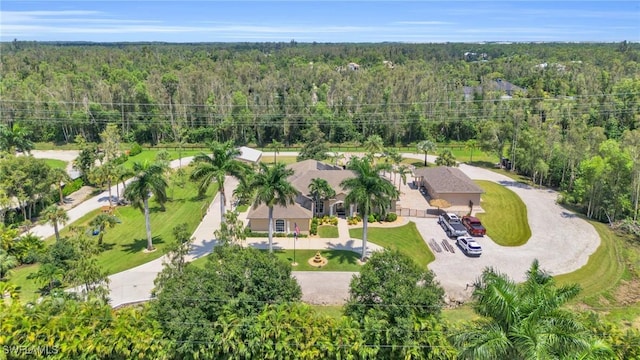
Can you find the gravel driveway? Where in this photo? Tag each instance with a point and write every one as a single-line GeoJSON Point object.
{"type": "Point", "coordinates": [561, 241]}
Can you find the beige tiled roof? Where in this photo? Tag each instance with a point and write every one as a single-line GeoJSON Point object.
{"type": "Point", "coordinates": [444, 179]}
{"type": "Point", "coordinates": [294, 211]}
{"type": "Point", "coordinates": [307, 170]}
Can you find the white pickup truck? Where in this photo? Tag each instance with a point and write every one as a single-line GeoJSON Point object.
{"type": "Point", "coordinates": [452, 225]}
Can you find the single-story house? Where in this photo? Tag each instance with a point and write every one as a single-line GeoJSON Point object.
{"type": "Point", "coordinates": [249, 155]}
{"type": "Point", "coordinates": [285, 219]}
{"type": "Point", "coordinates": [301, 212]}
{"type": "Point", "coordinates": [450, 184]}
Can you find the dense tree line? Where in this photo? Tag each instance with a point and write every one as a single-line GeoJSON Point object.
{"type": "Point", "coordinates": [573, 98]}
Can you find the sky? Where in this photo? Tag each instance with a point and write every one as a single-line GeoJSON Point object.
{"type": "Point", "coordinates": [320, 21]}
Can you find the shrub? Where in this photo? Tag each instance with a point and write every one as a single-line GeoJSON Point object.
{"type": "Point", "coordinates": [371, 218]}
{"type": "Point", "coordinates": [135, 149]}
{"type": "Point", "coordinates": [121, 159]}
{"type": "Point", "coordinates": [391, 217]}
{"type": "Point", "coordinates": [72, 187]}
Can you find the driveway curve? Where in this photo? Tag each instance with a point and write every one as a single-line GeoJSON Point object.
{"type": "Point", "coordinates": [561, 241]}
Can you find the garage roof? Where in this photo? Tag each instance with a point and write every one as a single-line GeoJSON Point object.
{"type": "Point", "coordinates": [444, 179]}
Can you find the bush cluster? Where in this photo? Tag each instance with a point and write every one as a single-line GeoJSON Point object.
{"type": "Point", "coordinates": [314, 227]}
{"type": "Point", "coordinates": [328, 220]}
{"type": "Point", "coordinates": [266, 234]}
{"type": "Point", "coordinates": [391, 217]}
{"type": "Point", "coordinates": [72, 187]}
{"type": "Point", "coordinates": [354, 220]}
{"type": "Point", "coordinates": [135, 149]}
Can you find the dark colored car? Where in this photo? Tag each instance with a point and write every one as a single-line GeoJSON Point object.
{"type": "Point", "coordinates": [474, 226]}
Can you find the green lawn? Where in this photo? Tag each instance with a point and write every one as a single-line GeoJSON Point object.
{"type": "Point", "coordinates": [279, 158]}
{"type": "Point", "coordinates": [327, 231]}
{"type": "Point", "coordinates": [150, 155]}
{"type": "Point", "coordinates": [502, 206]}
{"type": "Point", "coordinates": [405, 238]}
{"type": "Point", "coordinates": [332, 311]}
{"type": "Point", "coordinates": [339, 260]}
{"type": "Point", "coordinates": [603, 271]}
{"type": "Point", "coordinates": [55, 163]}
{"type": "Point", "coordinates": [124, 244]}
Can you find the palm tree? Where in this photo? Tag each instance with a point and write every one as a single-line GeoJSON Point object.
{"type": "Point", "coordinates": [403, 170]}
{"type": "Point", "coordinates": [471, 145]}
{"type": "Point", "coordinates": [122, 174]}
{"type": "Point", "coordinates": [273, 188]}
{"type": "Point", "coordinates": [426, 146]}
{"type": "Point", "coordinates": [374, 144]}
{"type": "Point", "coordinates": [320, 189]}
{"type": "Point", "coordinates": [149, 179]}
{"type": "Point", "coordinates": [58, 177]}
{"type": "Point", "coordinates": [446, 158]}
{"type": "Point", "coordinates": [221, 163]}
{"type": "Point", "coordinates": [276, 146]}
{"type": "Point", "coordinates": [55, 215]}
{"type": "Point", "coordinates": [368, 191]}
{"type": "Point", "coordinates": [14, 138]}
{"type": "Point", "coordinates": [525, 321]}
{"type": "Point", "coordinates": [102, 221]}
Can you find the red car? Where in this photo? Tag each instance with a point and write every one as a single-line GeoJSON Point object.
{"type": "Point", "coordinates": [474, 226]}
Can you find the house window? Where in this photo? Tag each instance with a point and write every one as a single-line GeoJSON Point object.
{"type": "Point", "coordinates": [320, 206]}
{"type": "Point", "coordinates": [280, 225]}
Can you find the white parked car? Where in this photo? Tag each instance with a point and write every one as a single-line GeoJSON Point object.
{"type": "Point", "coordinates": [469, 245]}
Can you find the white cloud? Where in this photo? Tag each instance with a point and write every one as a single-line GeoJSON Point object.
{"type": "Point", "coordinates": [423, 23]}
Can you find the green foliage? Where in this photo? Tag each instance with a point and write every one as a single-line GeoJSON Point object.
{"type": "Point", "coordinates": [28, 248]}
{"type": "Point", "coordinates": [392, 294]}
{"type": "Point", "coordinates": [135, 149]}
{"type": "Point", "coordinates": [391, 217]}
{"type": "Point", "coordinates": [526, 320]}
{"type": "Point", "coordinates": [235, 280]}
{"type": "Point", "coordinates": [72, 187]}
{"type": "Point", "coordinates": [371, 218]}
{"type": "Point", "coordinates": [503, 206]}
{"type": "Point", "coordinates": [313, 230]}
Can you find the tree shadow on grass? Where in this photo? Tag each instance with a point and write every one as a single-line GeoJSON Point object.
{"type": "Point", "coordinates": [482, 164]}
{"type": "Point", "coordinates": [106, 246]}
{"type": "Point", "coordinates": [140, 244]}
{"type": "Point", "coordinates": [341, 256]}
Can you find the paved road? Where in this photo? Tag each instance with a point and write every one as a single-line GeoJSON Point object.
{"type": "Point", "coordinates": [561, 241]}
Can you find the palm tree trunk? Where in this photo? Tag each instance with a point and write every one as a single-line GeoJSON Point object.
{"type": "Point", "coordinates": [60, 192]}
{"type": "Point", "coordinates": [365, 223]}
{"type": "Point", "coordinates": [110, 200]}
{"type": "Point", "coordinates": [222, 201]}
{"type": "Point", "coordinates": [270, 229]}
{"type": "Point", "coordinates": [425, 158]}
{"type": "Point", "coordinates": [55, 230]}
{"type": "Point", "coordinates": [101, 235]}
{"type": "Point", "coordinates": [147, 221]}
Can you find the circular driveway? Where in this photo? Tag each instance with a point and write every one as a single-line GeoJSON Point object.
{"type": "Point", "coordinates": [561, 241]}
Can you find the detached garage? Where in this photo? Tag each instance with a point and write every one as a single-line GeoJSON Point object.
{"type": "Point", "coordinates": [450, 184]}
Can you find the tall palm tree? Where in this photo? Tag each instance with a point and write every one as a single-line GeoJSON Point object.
{"type": "Point", "coordinates": [58, 177]}
{"type": "Point", "coordinates": [149, 179]}
{"type": "Point", "coordinates": [525, 321]}
{"type": "Point", "coordinates": [273, 188]}
{"type": "Point", "coordinates": [222, 162]}
{"type": "Point", "coordinates": [471, 145]}
{"type": "Point", "coordinates": [374, 144]}
{"type": "Point", "coordinates": [14, 138]}
{"type": "Point", "coordinates": [102, 221]}
{"type": "Point", "coordinates": [320, 189]}
{"type": "Point", "coordinates": [403, 170]}
{"type": "Point", "coordinates": [425, 146]}
{"type": "Point", "coordinates": [54, 215]}
{"type": "Point", "coordinates": [275, 146]}
{"type": "Point", "coordinates": [368, 191]}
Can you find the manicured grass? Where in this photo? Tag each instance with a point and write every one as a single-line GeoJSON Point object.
{"type": "Point", "coordinates": [150, 155]}
{"type": "Point", "coordinates": [124, 243]}
{"type": "Point", "coordinates": [55, 163]}
{"type": "Point", "coordinates": [53, 146]}
{"type": "Point", "coordinates": [502, 206]}
{"type": "Point", "coordinates": [405, 239]}
{"type": "Point", "coordinates": [339, 260]}
{"type": "Point", "coordinates": [27, 287]}
{"type": "Point", "coordinates": [460, 314]}
{"type": "Point", "coordinates": [327, 231]}
{"type": "Point", "coordinates": [603, 271]}
{"type": "Point", "coordinates": [279, 158]}
{"type": "Point", "coordinates": [332, 311]}
{"type": "Point", "coordinates": [242, 208]}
